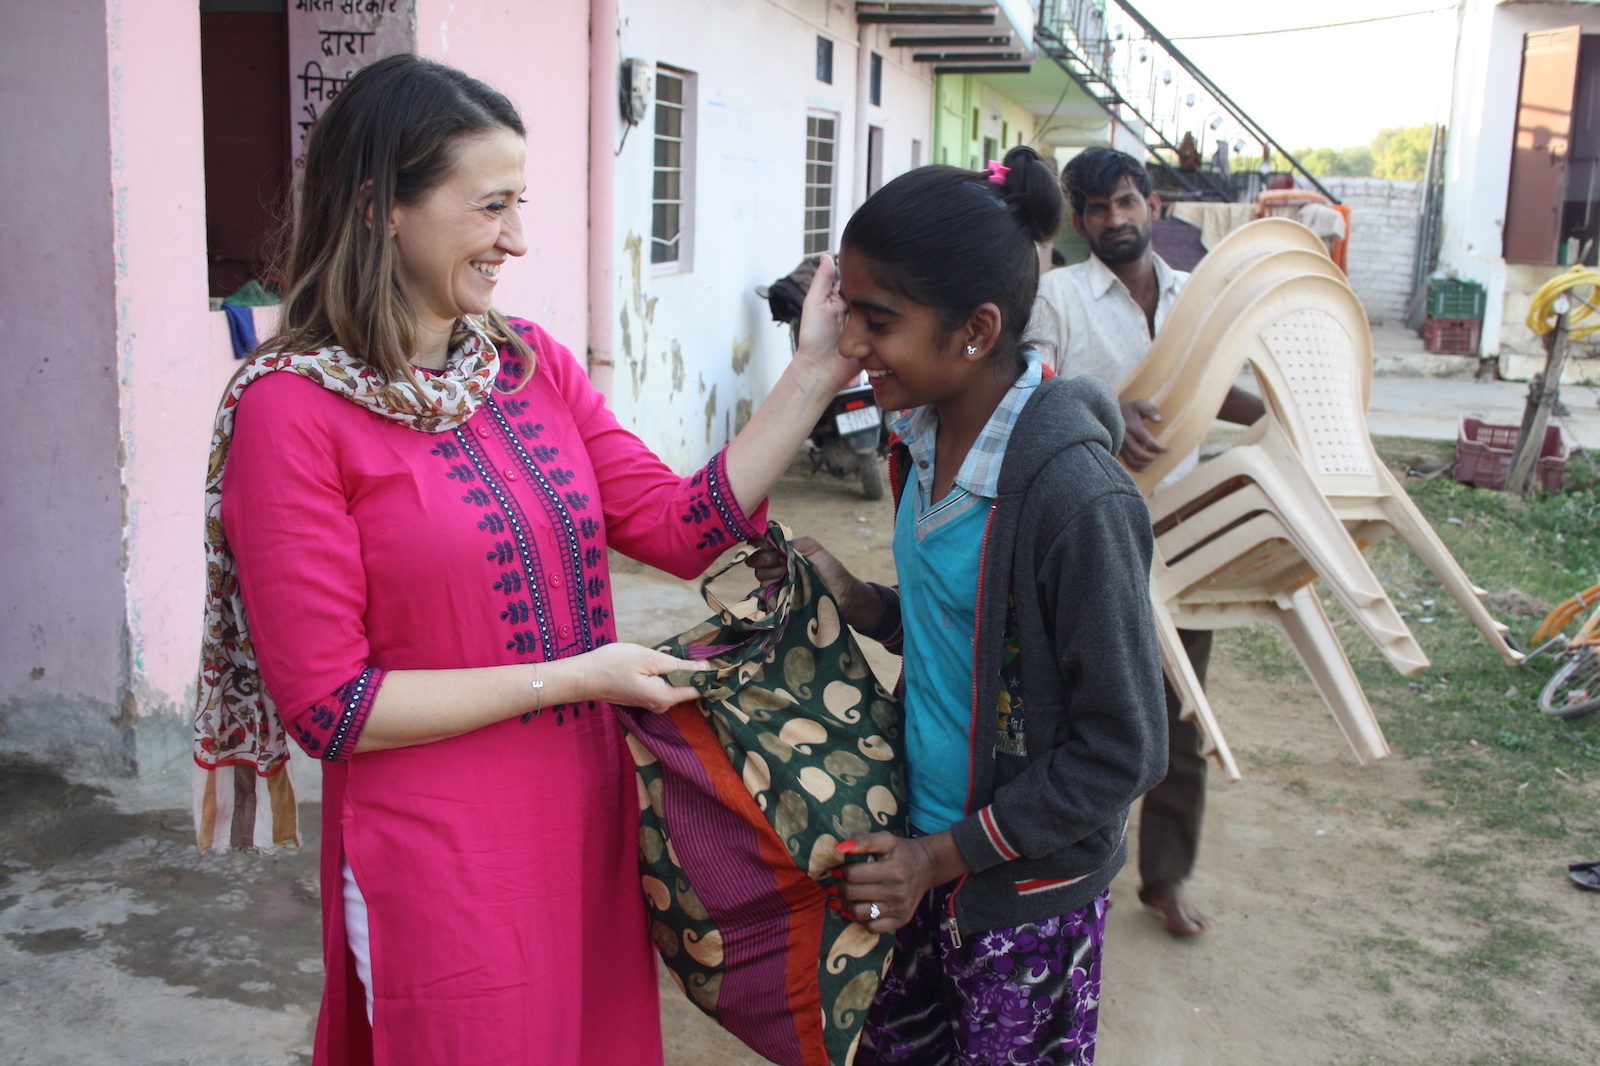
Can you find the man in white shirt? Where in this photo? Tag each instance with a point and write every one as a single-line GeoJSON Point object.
{"type": "Point", "coordinates": [1097, 318]}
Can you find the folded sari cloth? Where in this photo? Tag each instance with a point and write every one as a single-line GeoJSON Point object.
{"type": "Point", "coordinates": [792, 748]}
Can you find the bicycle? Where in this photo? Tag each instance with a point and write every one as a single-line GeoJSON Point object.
{"type": "Point", "coordinates": [1574, 690]}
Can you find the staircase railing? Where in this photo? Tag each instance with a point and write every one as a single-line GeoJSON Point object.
{"type": "Point", "coordinates": [1135, 71]}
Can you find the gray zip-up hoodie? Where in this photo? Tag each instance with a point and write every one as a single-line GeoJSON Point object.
{"type": "Point", "coordinates": [1070, 730]}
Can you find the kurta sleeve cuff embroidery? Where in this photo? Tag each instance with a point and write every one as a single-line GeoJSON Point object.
{"type": "Point", "coordinates": [728, 509]}
{"type": "Point", "coordinates": [329, 731]}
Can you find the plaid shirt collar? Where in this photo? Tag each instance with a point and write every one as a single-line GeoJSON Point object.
{"type": "Point", "coordinates": [980, 471]}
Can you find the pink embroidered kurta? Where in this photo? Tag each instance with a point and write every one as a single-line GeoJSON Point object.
{"type": "Point", "coordinates": [499, 867]}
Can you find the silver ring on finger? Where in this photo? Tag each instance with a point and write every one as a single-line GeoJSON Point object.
{"type": "Point", "coordinates": [873, 912]}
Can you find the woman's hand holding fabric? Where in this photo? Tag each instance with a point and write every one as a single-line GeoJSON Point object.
{"type": "Point", "coordinates": [859, 603]}
{"type": "Point", "coordinates": [632, 675]}
{"type": "Point", "coordinates": [901, 873]}
{"type": "Point", "coordinates": [424, 706]}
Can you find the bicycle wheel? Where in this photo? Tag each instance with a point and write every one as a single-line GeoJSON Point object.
{"type": "Point", "coordinates": [1574, 691]}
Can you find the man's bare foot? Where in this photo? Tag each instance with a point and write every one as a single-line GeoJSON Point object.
{"type": "Point", "coordinates": [1182, 917]}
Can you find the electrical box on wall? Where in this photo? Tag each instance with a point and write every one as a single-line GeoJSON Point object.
{"type": "Point", "coordinates": [635, 90]}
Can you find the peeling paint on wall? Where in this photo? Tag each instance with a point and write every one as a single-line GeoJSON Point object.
{"type": "Point", "coordinates": [678, 373]}
{"type": "Point", "coordinates": [741, 415]}
{"type": "Point", "coordinates": [635, 356]}
{"type": "Point", "coordinates": [711, 411]}
{"type": "Point", "coordinates": [743, 348]}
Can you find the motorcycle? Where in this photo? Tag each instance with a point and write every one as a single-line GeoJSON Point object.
{"type": "Point", "coordinates": [850, 437]}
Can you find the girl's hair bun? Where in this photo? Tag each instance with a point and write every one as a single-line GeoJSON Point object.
{"type": "Point", "coordinates": [1033, 193]}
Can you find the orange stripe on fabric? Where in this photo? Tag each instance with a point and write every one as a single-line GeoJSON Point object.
{"type": "Point", "coordinates": [285, 816]}
{"type": "Point", "coordinates": [206, 832]}
{"type": "Point", "coordinates": [804, 896]}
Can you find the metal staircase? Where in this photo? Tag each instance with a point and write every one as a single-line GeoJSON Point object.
{"type": "Point", "coordinates": [1145, 82]}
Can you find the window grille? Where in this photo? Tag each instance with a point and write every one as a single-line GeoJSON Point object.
{"type": "Point", "coordinates": [666, 198]}
{"type": "Point", "coordinates": [821, 149]}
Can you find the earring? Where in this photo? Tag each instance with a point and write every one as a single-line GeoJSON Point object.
{"type": "Point", "coordinates": [972, 349]}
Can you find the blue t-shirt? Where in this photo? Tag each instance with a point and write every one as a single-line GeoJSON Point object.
{"type": "Point", "coordinates": [936, 555]}
{"type": "Point", "coordinates": [938, 551]}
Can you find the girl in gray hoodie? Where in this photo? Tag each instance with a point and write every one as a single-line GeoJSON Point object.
{"type": "Point", "coordinates": [1031, 682]}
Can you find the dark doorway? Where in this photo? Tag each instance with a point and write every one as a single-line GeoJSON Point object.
{"type": "Point", "coordinates": [1580, 212]}
{"type": "Point", "coordinates": [244, 85]}
{"type": "Point", "coordinates": [874, 159]}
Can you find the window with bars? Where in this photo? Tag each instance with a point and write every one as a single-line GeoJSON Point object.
{"type": "Point", "coordinates": [666, 197]}
{"type": "Point", "coordinates": [821, 150]}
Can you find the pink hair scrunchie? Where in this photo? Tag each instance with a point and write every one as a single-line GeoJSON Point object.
{"type": "Point", "coordinates": [998, 172]}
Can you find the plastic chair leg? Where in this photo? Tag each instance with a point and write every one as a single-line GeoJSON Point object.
{"type": "Point", "coordinates": [1181, 676]}
{"type": "Point", "coordinates": [1311, 634]}
{"type": "Point", "coordinates": [1421, 538]}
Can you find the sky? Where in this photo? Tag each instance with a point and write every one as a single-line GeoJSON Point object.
{"type": "Point", "coordinates": [1331, 88]}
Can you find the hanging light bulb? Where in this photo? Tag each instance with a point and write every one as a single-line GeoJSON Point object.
{"type": "Point", "coordinates": [1238, 146]}
{"type": "Point", "coordinates": [1216, 123]}
{"type": "Point", "coordinates": [1144, 55]}
{"type": "Point", "coordinates": [1166, 77]}
{"type": "Point", "coordinates": [1116, 32]}
{"type": "Point", "coordinates": [1188, 101]}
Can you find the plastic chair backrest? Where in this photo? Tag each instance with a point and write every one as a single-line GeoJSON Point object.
{"type": "Point", "coordinates": [1239, 249]}
{"type": "Point", "coordinates": [1189, 391]}
{"type": "Point", "coordinates": [1245, 283]}
{"type": "Point", "coordinates": [1311, 347]}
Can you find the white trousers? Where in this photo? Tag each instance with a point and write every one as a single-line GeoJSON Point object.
{"type": "Point", "coordinates": [355, 931]}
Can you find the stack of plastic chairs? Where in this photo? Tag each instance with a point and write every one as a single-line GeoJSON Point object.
{"type": "Point", "coordinates": [1299, 495]}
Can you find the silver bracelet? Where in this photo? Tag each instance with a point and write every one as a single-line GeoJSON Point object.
{"type": "Point", "coordinates": [538, 693]}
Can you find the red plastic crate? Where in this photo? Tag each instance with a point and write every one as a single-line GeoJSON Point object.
{"type": "Point", "coordinates": [1452, 336]}
{"type": "Point", "coordinates": [1484, 450]}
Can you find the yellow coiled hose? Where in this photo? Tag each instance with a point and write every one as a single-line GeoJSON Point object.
{"type": "Point", "coordinates": [1542, 314]}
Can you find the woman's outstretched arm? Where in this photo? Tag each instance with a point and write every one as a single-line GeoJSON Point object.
{"type": "Point", "coordinates": [422, 706]}
{"type": "Point", "coordinates": [762, 451]}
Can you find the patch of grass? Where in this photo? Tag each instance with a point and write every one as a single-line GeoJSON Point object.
{"type": "Point", "coordinates": [1587, 993]}
{"type": "Point", "coordinates": [1494, 756]}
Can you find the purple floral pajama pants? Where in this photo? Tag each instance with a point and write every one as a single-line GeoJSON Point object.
{"type": "Point", "coordinates": [1027, 996]}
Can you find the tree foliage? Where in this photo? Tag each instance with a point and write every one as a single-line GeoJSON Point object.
{"type": "Point", "coordinates": [1400, 153]}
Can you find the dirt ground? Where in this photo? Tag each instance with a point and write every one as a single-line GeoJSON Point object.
{"type": "Point", "coordinates": [1356, 922]}
{"type": "Point", "coordinates": [1349, 929]}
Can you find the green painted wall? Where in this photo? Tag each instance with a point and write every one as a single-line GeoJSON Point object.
{"type": "Point", "coordinates": [970, 117]}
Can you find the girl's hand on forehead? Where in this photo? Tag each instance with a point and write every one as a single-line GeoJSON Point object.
{"type": "Point", "coordinates": [822, 324]}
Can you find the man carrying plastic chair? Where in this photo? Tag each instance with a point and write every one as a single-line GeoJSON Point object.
{"type": "Point", "coordinates": [1097, 318]}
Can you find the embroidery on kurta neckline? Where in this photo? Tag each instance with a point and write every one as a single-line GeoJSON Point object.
{"type": "Point", "coordinates": [559, 506]}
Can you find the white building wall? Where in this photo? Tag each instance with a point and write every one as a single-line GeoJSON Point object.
{"type": "Point", "coordinates": [1478, 157]}
{"type": "Point", "coordinates": [1384, 216]}
{"type": "Point", "coordinates": [696, 349]}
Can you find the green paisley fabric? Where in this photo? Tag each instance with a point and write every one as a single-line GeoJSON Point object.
{"type": "Point", "coordinates": [816, 744]}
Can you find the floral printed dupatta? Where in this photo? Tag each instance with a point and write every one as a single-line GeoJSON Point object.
{"type": "Point", "coordinates": [243, 794]}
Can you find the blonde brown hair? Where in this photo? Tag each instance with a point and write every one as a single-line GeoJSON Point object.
{"type": "Point", "coordinates": [390, 135]}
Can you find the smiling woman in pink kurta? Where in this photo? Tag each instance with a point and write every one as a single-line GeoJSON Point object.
{"type": "Point", "coordinates": [498, 866]}
{"type": "Point", "coordinates": [409, 502]}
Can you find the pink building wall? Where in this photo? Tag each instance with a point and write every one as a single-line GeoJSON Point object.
{"type": "Point", "coordinates": [60, 514]}
{"type": "Point", "coordinates": [538, 55]}
{"type": "Point", "coordinates": [163, 349]}
{"type": "Point", "coordinates": [105, 329]}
